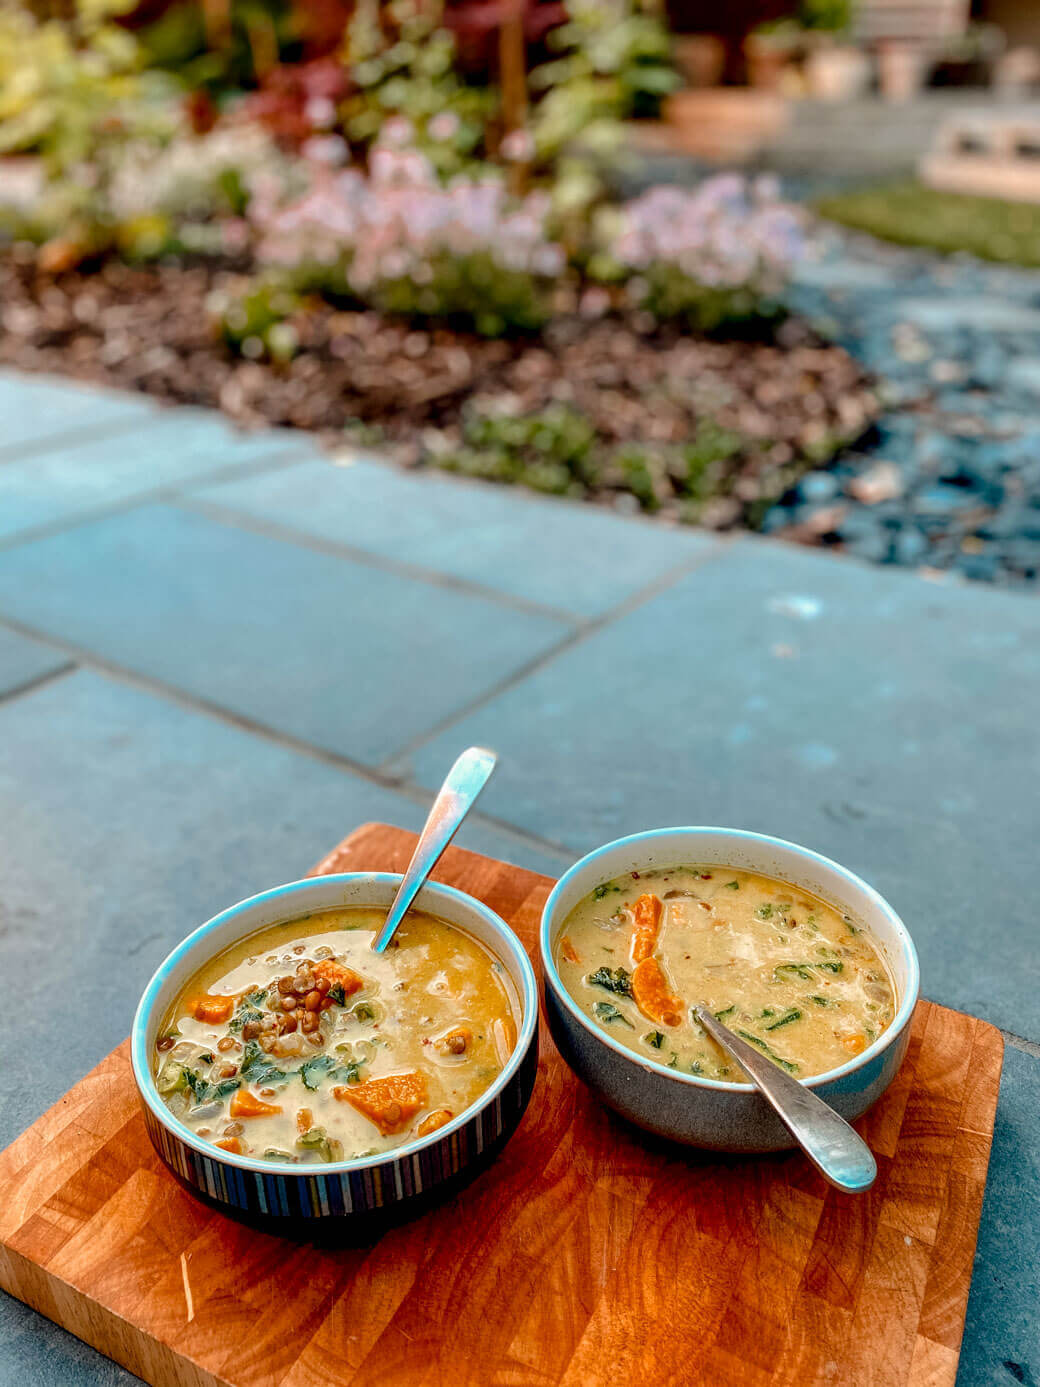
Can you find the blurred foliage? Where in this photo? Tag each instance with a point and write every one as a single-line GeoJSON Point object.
{"type": "Point", "coordinates": [671, 295]}
{"type": "Point", "coordinates": [558, 450]}
{"type": "Point", "coordinates": [913, 215]}
{"type": "Point", "coordinates": [402, 63]}
{"type": "Point", "coordinates": [69, 88]}
{"type": "Point", "coordinates": [243, 41]}
{"type": "Point", "coordinates": [826, 16]}
{"type": "Point", "coordinates": [612, 60]}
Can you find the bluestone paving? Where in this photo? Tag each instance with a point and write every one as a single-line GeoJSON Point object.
{"type": "Point", "coordinates": [127, 821]}
{"type": "Point", "coordinates": [24, 661]}
{"type": "Point", "coordinates": [34, 409]}
{"type": "Point", "coordinates": [1001, 1338]}
{"type": "Point", "coordinates": [578, 559]}
{"type": "Point", "coordinates": [884, 720]}
{"type": "Point", "coordinates": [352, 659]}
{"type": "Point", "coordinates": [73, 478]}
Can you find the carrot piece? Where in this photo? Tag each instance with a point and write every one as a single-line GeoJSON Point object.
{"type": "Point", "coordinates": [390, 1102]}
{"type": "Point", "coordinates": [647, 911]}
{"type": "Point", "coordinates": [246, 1104]}
{"type": "Point", "coordinates": [433, 1121]}
{"type": "Point", "coordinates": [503, 1033]}
{"type": "Point", "coordinates": [568, 950]}
{"type": "Point", "coordinates": [211, 1009]}
{"type": "Point", "coordinates": [230, 1144]}
{"type": "Point", "coordinates": [855, 1044]}
{"type": "Point", "coordinates": [304, 1120]}
{"type": "Point", "coordinates": [651, 994]}
{"type": "Point", "coordinates": [337, 973]}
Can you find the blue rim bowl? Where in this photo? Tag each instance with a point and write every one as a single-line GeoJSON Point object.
{"type": "Point", "coordinates": [715, 1113]}
{"type": "Point", "coordinates": [373, 1189]}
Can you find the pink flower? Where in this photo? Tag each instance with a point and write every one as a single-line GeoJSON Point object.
{"type": "Point", "coordinates": [443, 126]}
{"type": "Point", "coordinates": [517, 147]}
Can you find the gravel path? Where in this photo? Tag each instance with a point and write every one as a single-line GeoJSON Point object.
{"type": "Point", "coordinates": [951, 477]}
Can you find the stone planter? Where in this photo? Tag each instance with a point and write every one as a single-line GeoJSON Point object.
{"type": "Point", "coordinates": [900, 69]}
{"type": "Point", "coordinates": [837, 72]}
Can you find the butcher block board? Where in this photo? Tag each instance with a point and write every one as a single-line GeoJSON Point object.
{"type": "Point", "coordinates": [589, 1253]}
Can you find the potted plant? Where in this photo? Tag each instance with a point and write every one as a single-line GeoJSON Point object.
{"type": "Point", "coordinates": [770, 50]}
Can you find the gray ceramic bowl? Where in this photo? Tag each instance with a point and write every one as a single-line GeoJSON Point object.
{"type": "Point", "coordinates": [709, 1112]}
{"type": "Point", "coordinates": [305, 1200]}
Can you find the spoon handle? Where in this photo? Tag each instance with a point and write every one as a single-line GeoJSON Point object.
{"type": "Point", "coordinates": [837, 1151]}
{"type": "Point", "coordinates": [455, 798]}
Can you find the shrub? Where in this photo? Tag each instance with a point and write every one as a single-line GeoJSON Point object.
{"type": "Point", "coordinates": [400, 242]}
{"type": "Point", "coordinates": [717, 254]}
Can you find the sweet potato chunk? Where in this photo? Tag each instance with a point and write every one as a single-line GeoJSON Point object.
{"type": "Point", "coordinates": [568, 950]}
{"type": "Point", "coordinates": [433, 1121]}
{"type": "Point", "coordinates": [647, 911]}
{"type": "Point", "coordinates": [337, 973]}
{"type": "Point", "coordinates": [651, 994]}
{"type": "Point", "coordinates": [390, 1102]}
{"type": "Point", "coordinates": [246, 1104]}
{"type": "Point", "coordinates": [503, 1033]}
{"type": "Point", "coordinates": [211, 1009]}
{"type": "Point", "coordinates": [230, 1144]}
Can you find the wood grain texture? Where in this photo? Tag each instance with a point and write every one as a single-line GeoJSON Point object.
{"type": "Point", "coordinates": [589, 1252]}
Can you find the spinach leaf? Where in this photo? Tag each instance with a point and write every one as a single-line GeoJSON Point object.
{"type": "Point", "coordinates": [242, 1015]}
{"type": "Point", "coordinates": [821, 1001]}
{"type": "Point", "coordinates": [255, 998]}
{"type": "Point", "coordinates": [800, 970]}
{"type": "Point", "coordinates": [604, 889]}
{"type": "Point", "coordinates": [337, 994]}
{"type": "Point", "coordinates": [655, 1039]}
{"type": "Point", "coordinates": [607, 1012]}
{"type": "Point", "coordinates": [257, 1068]}
{"type": "Point", "coordinates": [726, 1011]}
{"type": "Point", "coordinates": [365, 1011]}
{"type": "Point", "coordinates": [832, 965]}
{"type": "Point", "coordinates": [732, 885]}
{"type": "Point", "coordinates": [764, 912]}
{"type": "Point", "coordinates": [768, 1050]}
{"type": "Point", "coordinates": [792, 1015]}
{"type": "Point", "coordinates": [619, 981]}
{"type": "Point", "coordinates": [315, 1070]}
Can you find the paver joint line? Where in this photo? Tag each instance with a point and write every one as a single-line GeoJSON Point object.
{"type": "Point", "coordinates": [80, 656]}
{"type": "Point", "coordinates": [590, 628]}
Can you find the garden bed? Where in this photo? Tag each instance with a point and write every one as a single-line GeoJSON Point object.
{"type": "Point", "coordinates": [613, 408]}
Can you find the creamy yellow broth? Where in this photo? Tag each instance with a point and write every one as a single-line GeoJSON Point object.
{"type": "Point", "coordinates": [794, 977]}
{"type": "Point", "coordinates": [300, 1044]}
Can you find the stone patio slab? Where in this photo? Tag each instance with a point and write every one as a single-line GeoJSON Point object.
{"type": "Point", "coordinates": [1001, 1329]}
{"type": "Point", "coordinates": [884, 720]}
{"type": "Point", "coordinates": [35, 409]}
{"type": "Point", "coordinates": [73, 479]}
{"type": "Point", "coordinates": [22, 661]}
{"type": "Point", "coordinates": [578, 559]}
{"type": "Point", "coordinates": [352, 659]}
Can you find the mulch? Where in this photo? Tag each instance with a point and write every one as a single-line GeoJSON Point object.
{"type": "Point", "coordinates": [150, 328]}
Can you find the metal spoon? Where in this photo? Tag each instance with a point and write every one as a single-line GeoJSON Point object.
{"type": "Point", "coordinates": [455, 799]}
{"type": "Point", "coordinates": [837, 1151]}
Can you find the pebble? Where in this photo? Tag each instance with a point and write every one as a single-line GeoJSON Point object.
{"type": "Point", "coordinates": [949, 478]}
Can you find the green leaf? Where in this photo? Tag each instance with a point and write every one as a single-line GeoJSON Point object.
{"type": "Point", "coordinates": [257, 1068]}
{"type": "Point", "coordinates": [607, 1012]}
{"type": "Point", "coordinates": [655, 1039]}
{"type": "Point", "coordinates": [337, 994]}
{"type": "Point", "coordinates": [793, 1015]}
{"type": "Point", "coordinates": [619, 981]}
{"type": "Point", "coordinates": [732, 885]}
{"type": "Point", "coordinates": [764, 912]}
{"type": "Point", "coordinates": [726, 1011]}
{"type": "Point", "coordinates": [315, 1070]}
{"type": "Point", "coordinates": [769, 1051]}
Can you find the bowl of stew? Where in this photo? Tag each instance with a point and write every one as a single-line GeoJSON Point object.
{"type": "Point", "coordinates": [796, 954]}
{"type": "Point", "coordinates": [294, 1078]}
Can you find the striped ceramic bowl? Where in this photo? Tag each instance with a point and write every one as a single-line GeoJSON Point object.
{"type": "Point", "coordinates": [301, 1201]}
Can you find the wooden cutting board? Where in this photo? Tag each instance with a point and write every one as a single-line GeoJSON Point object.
{"type": "Point", "coordinates": [590, 1253]}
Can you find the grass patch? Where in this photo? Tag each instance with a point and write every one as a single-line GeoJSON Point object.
{"type": "Point", "coordinates": [913, 215]}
